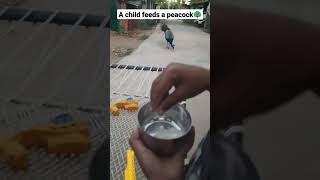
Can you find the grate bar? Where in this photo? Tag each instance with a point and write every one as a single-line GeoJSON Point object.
{"type": "Point", "coordinates": [33, 74]}
{"type": "Point", "coordinates": [11, 28]}
{"type": "Point", "coordinates": [134, 81]}
{"type": "Point", "coordinates": [97, 77]}
{"type": "Point", "coordinates": [142, 82]}
{"type": "Point", "coordinates": [3, 10]}
{"type": "Point", "coordinates": [83, 52]}
{"type": "Point", "coordinates": [26, 42]}
{"type": "Point", "coordinates": [149, 82]}
{"type": "Point", "coordinates": [62, 18]}
{"type": "Point", "coordinates": [5, 100]}
{"type": "Point", "coordinates": [116, 77]}
{"type": "Point", "coordinates": [29, 79]}
{"type": "Point", "coordinates": [37, 69]}
{"type": "Point", "coordinates": [126, 77]}
{"type": "Point", "coordinates": [44, 51]}
{"type": "Point", "coordinates": [112, 70]}
{"type": "Point", "coordinates": [117, 91]}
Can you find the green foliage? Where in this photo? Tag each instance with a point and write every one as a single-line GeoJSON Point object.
{"type": "Point", "coordinates": [175, 5]}
{"type": "Point", "coordinates": [196, 1]}
{"type": "Point", "coordinates": [164, 5]}
{"type": "Point", "coordinates": [161, 1]}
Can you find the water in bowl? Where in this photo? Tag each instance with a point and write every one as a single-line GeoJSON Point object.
{"type": "Point", "coordinates": [163, 128]}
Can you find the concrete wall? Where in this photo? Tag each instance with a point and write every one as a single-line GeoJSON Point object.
{"type": "Point", "coordinates": [124, 23]}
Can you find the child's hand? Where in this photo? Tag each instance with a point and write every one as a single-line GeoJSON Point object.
{"type": "Point", "coordinates": [160, 168]}
{"type": "Point", "coordinates": [188, 81]}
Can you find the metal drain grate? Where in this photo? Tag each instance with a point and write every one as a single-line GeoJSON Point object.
{"type": "Point", "coordinates": [40, 75]}
{"type": "Point", "coordinates": [44, 165]}
{"type": "Point", "coordinates": [42, 62]}
{"type": "Point", "coordinates": [134, 81]}
{"type": "Point", "coordinates": [128, 80]}
{"type": "Point", "coordinates": [61, 18]}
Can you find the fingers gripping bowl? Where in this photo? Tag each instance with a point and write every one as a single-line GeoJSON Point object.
{"type": "Point", "coordinates": [164, 134]}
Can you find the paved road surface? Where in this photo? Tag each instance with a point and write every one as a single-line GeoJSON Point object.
{"type": "Point", "coordinates": [192, 47]}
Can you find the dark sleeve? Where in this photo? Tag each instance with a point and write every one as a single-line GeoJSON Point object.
{"type": "Point", "coordinates": [317, 90]}
{"type": "Point", "coordinates": [230, 162]}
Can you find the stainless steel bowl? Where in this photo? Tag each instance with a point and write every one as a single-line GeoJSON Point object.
{"type": "Point", "coordinates": [166, 133]}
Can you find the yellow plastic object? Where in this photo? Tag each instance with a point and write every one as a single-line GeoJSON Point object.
{"type": "Point", "coordinates": [130, 173]}
{"type": "Point", "coordinates": [121, 104]}
{"type": "Point", "coordinates": [114, 110]}
{"type": "Point", "coordinates": [131, 107]}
